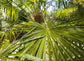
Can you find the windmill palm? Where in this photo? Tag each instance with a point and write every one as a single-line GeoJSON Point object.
{"type": "Point", "coordinates": [48, 41]}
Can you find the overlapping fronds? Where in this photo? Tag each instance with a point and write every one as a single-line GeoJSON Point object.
{"type": "Point", "coordinates": [53, 42]}
{"type": "Point", "coordinates": [49, 41]}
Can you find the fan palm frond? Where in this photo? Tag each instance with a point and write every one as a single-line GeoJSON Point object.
{"type": "Point", "coordinates": [53, 42]}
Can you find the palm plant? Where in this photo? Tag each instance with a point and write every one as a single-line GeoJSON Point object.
{"type": "Point", "coordinates": [48, 41]}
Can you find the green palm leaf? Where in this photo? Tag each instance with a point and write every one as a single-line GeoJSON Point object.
{"type": "Point", "coordinates": [50, 42]}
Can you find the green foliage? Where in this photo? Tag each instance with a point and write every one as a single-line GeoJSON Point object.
{"type": "Point", "coordinates": [61, 42]}
{"type": "Point", "coordinates": [63, 14]}
{"type": "Point", "coordinates": [81, 2]}
{"type": "Point", "coordinates": [11, 14]}
{"type": "Point", "coordinates": [49, 41]}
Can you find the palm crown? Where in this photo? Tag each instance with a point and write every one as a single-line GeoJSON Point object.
{"type": "Point", "coordinates": [46, 40]}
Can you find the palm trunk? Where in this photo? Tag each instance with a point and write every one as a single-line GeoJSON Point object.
{"type": "Point", "coordinates": [59, 4]}
{"type": "Point", "coordinates": [81, 10]}
{"type": "Point", "coordinates": [64, 4]}
{"type": "Point", "coordinates": [11, 10]}
{"type": "Point", "coordinates": [0, 25]}
{"type": "Point", "coordinates": [0, 20]}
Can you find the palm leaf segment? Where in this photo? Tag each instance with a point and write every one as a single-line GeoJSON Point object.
{"type": "Point", "coordinates": [52, 42]}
